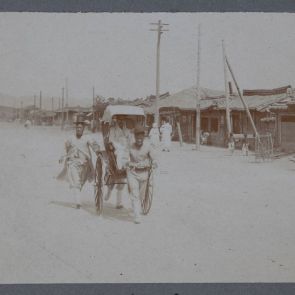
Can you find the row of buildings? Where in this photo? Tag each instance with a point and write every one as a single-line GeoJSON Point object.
{"type": "Point", "coordinates": [273, 112]}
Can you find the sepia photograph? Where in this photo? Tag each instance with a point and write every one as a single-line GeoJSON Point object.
{"type": "Point", "coordinates": [147, 148]}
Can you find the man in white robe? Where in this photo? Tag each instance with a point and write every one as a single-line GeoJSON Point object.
{"type": "Point", "coordinates": [166, 132]}
{"type": "Point", "coordinates": [154, 136]}
{"type": "Point", "coordinates": [78, 165]}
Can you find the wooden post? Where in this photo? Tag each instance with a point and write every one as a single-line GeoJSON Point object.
{"type": "Point", "coordinates": [242, 99]}
{"type": "Point", "coordinates": [93, 106]}
{"type": "Point", "coordinates": [62, 109]}
{"type": "Point", "coordinates": [34, 113]}
{"type": "Point", "coordinates": [228, 123]}
{"type": "Point", "coordinates": [67, 101]}
{"type": "Point", "coordinates": [158, 73]}
{"type": "Point", "coordinates": [198, 98]}
{"type": "Point", "coordinates": [159, 31]}
{"type": "Point", "coordinates": [40, 100]}
{"type": "Point", "coordinates": [52, 108]}
{"type": "Point", "coordinates": [179, 133]}
{"type": "Point", "coordinates": [21, 110]}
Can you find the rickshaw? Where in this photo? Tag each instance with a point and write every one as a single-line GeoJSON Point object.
{"type": "Point", "coordinates": [112, 175]}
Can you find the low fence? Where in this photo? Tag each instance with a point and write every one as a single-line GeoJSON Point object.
{"type": "Point", "coordinates": [264, 147]}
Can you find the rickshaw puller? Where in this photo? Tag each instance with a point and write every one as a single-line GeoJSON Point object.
{"type": "Point", "coordinates": [142, 156]}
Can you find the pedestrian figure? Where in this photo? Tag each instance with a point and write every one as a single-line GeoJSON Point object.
{"type": "Point", "coordinates": [166, 132]}
{"type": "Point", "coordinates": [231, 144]}
{"type": "Point", "coordinates": [204, 137]}
{"type": "Point", "coordinates": [245, 146]}
{"type": "Point", "coordinates": [78, 165]}
{"type": "Point", "coordinates": [154, 136]}
{"type": "Point", "coordinates": [142, 158]}
{"type": "Point", "coordinates": [28, 124]}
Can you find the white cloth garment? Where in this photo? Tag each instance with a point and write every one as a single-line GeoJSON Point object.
{"type": "Point", "coordinates": [166, 131]}
{"type": "Point", "coordinates": [78, 164]}
{"type": "Point", "coordinates": [154, 136]}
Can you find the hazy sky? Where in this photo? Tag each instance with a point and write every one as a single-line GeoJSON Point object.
{"type": "Point", "coordinates": [116, 52]}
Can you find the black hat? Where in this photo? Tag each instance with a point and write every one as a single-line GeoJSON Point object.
{"type": "Point", "coordinates": [80, 119]}
{"type": "Point", "coordinates": [139, 129]}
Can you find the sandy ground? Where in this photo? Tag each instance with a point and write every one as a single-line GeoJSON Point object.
{"type": "Point", "coordinates": [214, 218]}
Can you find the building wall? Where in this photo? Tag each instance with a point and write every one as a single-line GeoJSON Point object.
{"type": "Point", "coordinates": [286, 130]}
{"type": "Point", "coordinates": [214, 122]}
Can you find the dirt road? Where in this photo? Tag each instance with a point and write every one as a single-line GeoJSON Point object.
{"type": "Point", "coordinates": [215, 218]}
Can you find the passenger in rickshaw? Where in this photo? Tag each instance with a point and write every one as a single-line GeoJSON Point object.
{"type": "Point", "coordinates": [142, 158]}
{"type": "Point", "coordinates": [118, 130]}
{"type": "Point", "coordinates": [120, 137]}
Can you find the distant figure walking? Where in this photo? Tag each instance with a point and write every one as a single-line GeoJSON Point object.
{"type": "Point", "coordinates": [231, 144]}
{"type": "Point", "coordinates": [28, 124]}
{"type": "Point", "coordinates": [166, 132]}
{"type": "Point", "coordinates": [245, 146]}
{"type": "Point", "coordinates": [77, 162]}
{"type": "Point", "coordinates": [204, 137]}
{"type": "Point", "coordinates": [154, 136]}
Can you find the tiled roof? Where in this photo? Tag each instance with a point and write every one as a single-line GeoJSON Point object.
{"type": "Point", "coordinates": [186, 100]}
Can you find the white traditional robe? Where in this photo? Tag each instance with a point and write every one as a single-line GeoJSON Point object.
{"type": "Point", "coordinates": [154, 136]}
{"type": "Point", "coordinates": [166, 131]}
{"type": "Point", "coordinates": [78, 164]}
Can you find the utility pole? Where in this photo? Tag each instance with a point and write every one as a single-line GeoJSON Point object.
{"type": "Point", "coordinates": [40, 100]}
{"type": "Point", "coordinates": [67, 100]}
{"type": "Point", "coordinates": [93, 106]}
{"type": "Point", "coordinates": [160, 29]}
{"type": "Point", "coordinates": [22, 110]}
{"type": "Point", "coordinates": [228, 122]}
{"type": "Point", "coordinates": [14, 109]}
{"type": "Point", "coordinates": [52, 108]}
{"type": "Point", "coordinates": [34, 113]}
{"type": "Point", "coordinates": [198, 100]}
{"type": "Point", "coordinates": [62, 108]}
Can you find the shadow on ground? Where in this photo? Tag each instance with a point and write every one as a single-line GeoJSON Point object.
{"type": "Point", "coordinates": [109, 211]}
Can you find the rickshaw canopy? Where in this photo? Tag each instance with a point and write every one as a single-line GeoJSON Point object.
{"type": "Point", "coordinates": [121, 110]}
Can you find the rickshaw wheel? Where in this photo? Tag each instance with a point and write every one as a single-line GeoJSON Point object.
{"type": "Point", "coordinates": [98, 186]}
{"type": "Point", "coordinates": [146, 203]}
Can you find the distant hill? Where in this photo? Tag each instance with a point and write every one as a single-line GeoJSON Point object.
{"type": "Point", "coordinates": [8, 100]}
{"type": "Point", "coordinates": [28, 100]}
{"type": "Point", "coordinates": [14, 101]}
